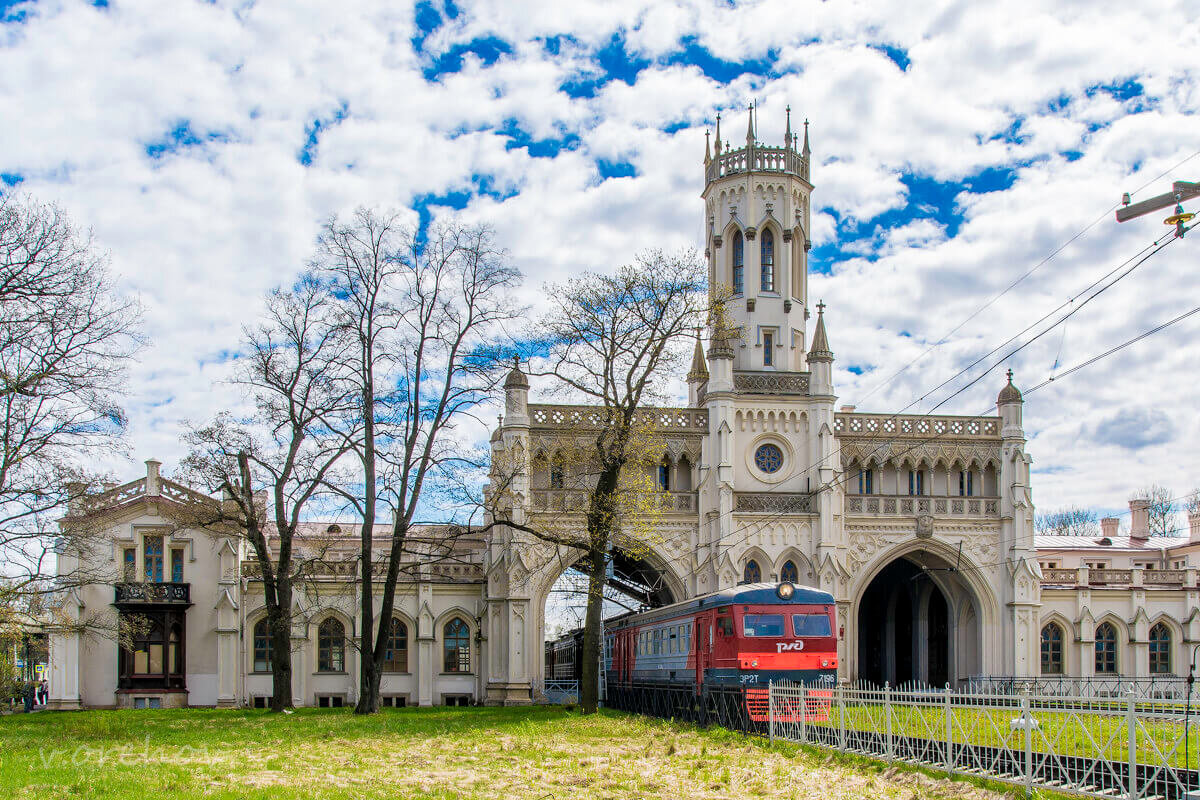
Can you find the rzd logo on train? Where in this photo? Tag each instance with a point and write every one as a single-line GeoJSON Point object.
{"type": "Point", "coordinates": [781, 647]}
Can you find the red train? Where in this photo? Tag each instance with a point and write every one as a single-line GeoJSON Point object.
{"type": "Point", "coordinates": [748, 635]}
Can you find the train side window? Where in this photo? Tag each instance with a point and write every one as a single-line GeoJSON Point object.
{"type": "Point", "coordinates": [725, 626]}
{"type": "Point", "coordinates": [674, 632]}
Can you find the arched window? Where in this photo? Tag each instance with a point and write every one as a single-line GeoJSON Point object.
{"type": "Point", "coordinates": [395, 658]}
{"type": "Point", "coordinates": [767, 249]}
{"type": "Point", "coordinates": [664, 475]}
{"type": "Point", "coordinates": [262, 646]}
{"type": "Point", "coordinates": [752, 573]}
{"type": "Point", "coordinates": [331, 646]}
{"type": "Point", "coordinates": [1160, 650]}
{"type": "Point", "coordinates": [739, 263]}
{"type": "Point", "coordinates": [789, 573]}
{"type": "Point", "coordinates": [456, 644]}
{"type": "Point", "coordinates": [1106, 649]}
{"type": "Point", "coordinates": [556, 472]}
{"type": "Point", "coordinates": [1052, 650]}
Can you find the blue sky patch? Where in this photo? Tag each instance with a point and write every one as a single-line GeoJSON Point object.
{"type": "Point", "coordinates": [518, 138]}
{"type": "Point", "coordinates": [180, 138]}
{"type": "Point", "coordinates": [313, 131]}
{"type": "Point", "coordinates": [11, 178]}
{"type": "Point", "coordinates": [615, 169]}
{"type": "Point", "coordinates": [614, 63]}
{"type": "Point", "coordinates": [487, 49]}
{"type": "Point", "coordinates": [718, 69]}
{"type": "Point", "coordinates": [896, 55]}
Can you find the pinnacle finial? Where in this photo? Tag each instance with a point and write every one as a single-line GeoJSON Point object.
{"type": "Point", "coordinates": [806, 149]}
{"type": "Point", "coordinates": [820, 307]}
{"type": "Point", "coordinates": [787, 135]}
{"type": "Point", "coordinates": [717, 135]}
{"type": "Point", "coordinates": [1010, 374]}
{"type": "Point", "coordinates": [750, 125]}
{"type": "Point", "coordinates": [707, 150]}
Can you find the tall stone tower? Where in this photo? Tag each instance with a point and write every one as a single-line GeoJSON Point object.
{"type": "Point", "coordinates": [756, 201]}
{"type": "Point", "coordinates": [767, 494]}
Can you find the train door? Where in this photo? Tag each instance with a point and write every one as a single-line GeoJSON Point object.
{"type": "Point", "coordinates": [702, 641]}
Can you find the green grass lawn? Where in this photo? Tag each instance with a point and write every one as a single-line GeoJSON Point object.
{"type": "Point", "coordinates": [544, 752]}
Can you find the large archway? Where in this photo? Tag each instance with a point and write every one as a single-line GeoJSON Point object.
{"type": "Point", "coordinates": [635, 581]}
{"type": "Point", "coordinates": [918, 622]}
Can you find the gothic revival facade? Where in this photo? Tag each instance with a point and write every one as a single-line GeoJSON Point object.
{"type": "Point", "coordinates": [920, 526]}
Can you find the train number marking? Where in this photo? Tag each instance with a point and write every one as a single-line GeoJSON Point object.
{"type": "Point", "coordinates": [781, 647]}
{"type": "Point", "coordinates": [749, 678]}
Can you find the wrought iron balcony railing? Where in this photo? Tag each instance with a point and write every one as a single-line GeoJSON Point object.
{"type": "Point", "coordinates": [173, 593]}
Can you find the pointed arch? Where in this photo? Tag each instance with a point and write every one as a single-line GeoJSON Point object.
{"type": "Point", "coordinates": [766, 260]}
{"type": "Point", "coordinates": [1160, 639]}
{"type": "Point", "coordinates": [1107, 648]}
{"type": "Point", "coordinates": [1053, 653]}
{"type": "Point", "coordinates": [737, 262]}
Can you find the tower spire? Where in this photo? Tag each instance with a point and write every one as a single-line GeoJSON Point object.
{"type": "Point", "coordinates": [707, 151]}
{"type": "Point", "coordinates": [718, 134]}
{"type": "Point", "coordinates": [806, 149]}
{"type": "Point", "coordinates": [819, 351]}
{"type": "Point", "coordinates": [787, 136]}
{"type": "Point", "coordinates": [750, 126]}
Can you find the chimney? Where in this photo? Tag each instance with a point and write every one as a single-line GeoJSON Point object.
{"type": "Point", "coordinates": [152, 466]}
{"type": "Point", "coordinates": [1194, 525]}
{"type": "Point", "coordinates": [1139, 519]}
{"type": "Point", "coordinates": [847, 409]}
{"type": "Point", "coordinates": [1109, 526]}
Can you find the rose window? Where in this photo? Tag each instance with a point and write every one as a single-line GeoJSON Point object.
{"type": "Point", "coordinates": [768, 458]}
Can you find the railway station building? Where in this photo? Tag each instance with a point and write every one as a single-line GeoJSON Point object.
{"type": "Point", "coordinates": [921, 527]}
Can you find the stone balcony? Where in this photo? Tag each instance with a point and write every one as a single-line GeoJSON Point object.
{"type": "Point", "coordinates": [575, 501]}
{"type": "Point", "coordinates": [175, 594]}
{"type": "Point", "coordinates": [884, 505]}
{"type": "Point", "coordinates": [757, 159]}
{"type": "Point", "coordinates": [1120, 578]}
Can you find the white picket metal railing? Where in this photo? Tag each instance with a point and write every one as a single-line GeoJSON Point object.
{"type": "Point", "coordinates": [1132, 747]}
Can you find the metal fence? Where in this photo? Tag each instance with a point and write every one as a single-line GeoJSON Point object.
{"type": "Point", "coordinates": [1169, 687]}
{"type": "Point", "coordinates": [561, 692]}
{"type": "Point", "coordinates": [1131, 747]}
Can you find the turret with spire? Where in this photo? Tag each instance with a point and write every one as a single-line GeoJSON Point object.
{"type": "Point", "coordinates": [820, 357]}
{"type": "Point", "coordinates": [758, 210]}
{"type": "Point", "coordinates": [698, 375]}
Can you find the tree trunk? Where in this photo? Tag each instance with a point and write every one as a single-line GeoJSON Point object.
{"type": "Point", "coordinates": [279, 628]}
{"type": "Point", "coordinates": [589, 691]}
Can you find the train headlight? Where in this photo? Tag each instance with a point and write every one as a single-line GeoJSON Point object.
{"type": "Point", "coordinates": [785, 590]}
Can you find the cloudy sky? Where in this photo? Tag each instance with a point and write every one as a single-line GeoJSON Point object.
{"type": "Point", "coordinates": [956, 146]}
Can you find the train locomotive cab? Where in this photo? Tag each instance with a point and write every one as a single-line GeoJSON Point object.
{"type": "Point", "coordinates": [773, 633]}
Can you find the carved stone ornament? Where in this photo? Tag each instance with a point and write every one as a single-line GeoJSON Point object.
{"type": "Point", "coordinates": [771, 382]}
{"type": "Point", "coordinates": [924, 526]}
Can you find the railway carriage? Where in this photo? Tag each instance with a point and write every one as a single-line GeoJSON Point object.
{"type": "Point", "coordinates": [746, 636]}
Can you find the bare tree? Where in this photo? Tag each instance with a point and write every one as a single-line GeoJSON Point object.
{"type": "Point", "coordinates": [418, 312]}
{"type": "Point", "coordinates": [273, 466]}
{"type": "Point", "coordinates": [66, 339]}
{"type": "Point", "coordinates": [1163, 519]}
{"type": "Point", "coordinates": [610, 340]}
{"type": "Point", "coordinates": [1192, 504]}
{"type": "Point", "coordinates": [1068, 521]}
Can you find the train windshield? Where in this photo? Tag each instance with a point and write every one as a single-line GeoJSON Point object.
{"type": "Point", "coordinates": [762, 625]}
{"type": "Point", "coordinates": [811, 625]}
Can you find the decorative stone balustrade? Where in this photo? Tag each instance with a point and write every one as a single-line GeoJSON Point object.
{"type": "Point", "coordinates": [918, 426]}
{"type": "Point", "coordinates": [348, 568]}
{"type": "Point", "coordinates": [771, 382]}
{"type": "Point", "coordinates": [576, 500]}
{"type": "Point", "coordinates": [136, 490]}
{"type": "Point", "coordinates": [772, 503]}
{"type": "Point", "coordinates": [1164, 578]}
{"type": "Point", "coordinates": [907, 506]}
{"type": "Point", "coordinates": [667, 420]}
{"type": "Point", "coordinates": [757, 159]}
{"type": "Point", "coordinates": [152, 593]}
